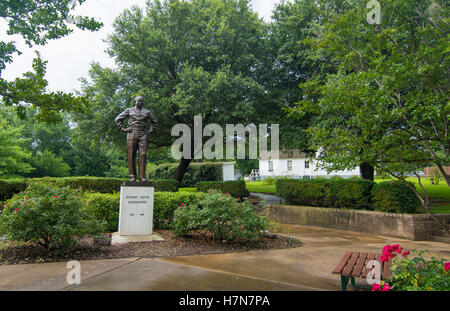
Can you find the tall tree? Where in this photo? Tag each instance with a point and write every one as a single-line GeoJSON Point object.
{"type": "Point", "coordinates": [388, 105]}
{"type": "Point", "coordinates": [38, 21]}
{"type": "Point", "coordinates": [13, 159]}
{"type": "Point", "coordinates": [186, 58]}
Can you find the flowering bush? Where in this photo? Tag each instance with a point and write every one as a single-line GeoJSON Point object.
{"type": "Point", "coordinates": [414, 273]}
{"type": "Point", "coordinates": [47, 215]}
{"type": "Point", "coordinates": [222, 216]}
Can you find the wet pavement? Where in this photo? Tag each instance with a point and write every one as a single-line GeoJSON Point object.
{"type": "Point", "coordinates": [304, 268]}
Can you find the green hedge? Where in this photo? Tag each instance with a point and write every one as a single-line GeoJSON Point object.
{"type": "Point", "coordinates": [395, 197]}
{"type": "Point", "coordinates": [196, 172]}
{"type": "Point", "coordinates": [95, 184]}
{"type": "Point", "coordinates": [235, 188]}
{"type": "Point", "coordinates": [105, 207]}
{"type": "Point", "coordinates": [10, 187]}
{"type": "Point", "coordinates": [337, 193]}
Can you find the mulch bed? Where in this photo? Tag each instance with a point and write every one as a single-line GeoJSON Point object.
{"type": "Point", "coordinates": [195, 244]}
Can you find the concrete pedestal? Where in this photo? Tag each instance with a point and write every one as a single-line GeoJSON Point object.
{"type": "Point", "coordinates": [136, 214]}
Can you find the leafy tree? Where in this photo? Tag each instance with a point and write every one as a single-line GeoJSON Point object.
{"type": "Point", "coordinates": [186, 58]}
{"type": "Point", "coordinates": [38, 21]}
{"type": "Point", "coordinates": [388, 103]}
{"type": "Point", "coordinates": [13, 159]}
{"type": "Point", "coordinates": [46, 164]}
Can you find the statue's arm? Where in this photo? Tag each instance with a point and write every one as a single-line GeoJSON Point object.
{"type": "Point", "coordinates": [154, 122]}
{"type": "Point", "coordinates": [120, 118]}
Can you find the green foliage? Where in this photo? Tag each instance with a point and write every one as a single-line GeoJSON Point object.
{"type": "Point", "coordinates": [48, 215]}
{"type": "Point", "coordinates": [92, 184]}
{"type": "Point", "coordinates": [395, 197]}
{"type": "Point", "coordinates": [222, 217]}
{"type": "Point", "coordinates": [415, 273]}
{"type": "Point", "coordinates": [387, 102]}
{"type": "Point", "coordinates": [37, 22]}
{"type": "Point", "coordinates": [166, 203]}
{"type": "Point", "coordinates": [195, 173]}
{"type": "Point", "coordinates": [10, 187]}
{"type": "Point", "coordinates": [13, 159]}
{"type": "Point", "coordinates": [345, 193]}
{"type": "Point", "coordinates": [104, 207]}
{"type": "Point", "coordinates": [235, 188]}
{"type": "Point", "coordinates": [47, 164]}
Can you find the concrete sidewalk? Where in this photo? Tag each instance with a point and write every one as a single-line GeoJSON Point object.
{"type": "Point", "coordinates": [305, 268]}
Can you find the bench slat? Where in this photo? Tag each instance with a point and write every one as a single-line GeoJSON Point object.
{"type": "Point", "coordinates": [370, 257]}
{"type": "Point", "coordinates": [360, 264]}
{"type": "Point", "coordinates": [342, 263]}
{"type": "Point", "coordinates": [351, 264]}
{"type": "Point", "coordinates": [387, 269]}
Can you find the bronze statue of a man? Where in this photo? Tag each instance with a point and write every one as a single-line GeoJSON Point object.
{"type": "Point", "coordinates": [138, 118]}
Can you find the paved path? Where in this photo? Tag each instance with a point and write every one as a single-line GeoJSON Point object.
{"type": "Point", "coordinates": [267, 199]}
{"type": "Point", "coordinates": [304, 268]}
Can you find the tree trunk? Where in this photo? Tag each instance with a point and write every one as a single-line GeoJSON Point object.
{"type": "Point", "coordinates": [182, 169]}
{"type": "Point", "coordinates": [444, 174]}
{"type": "Point", "coordinates": [367, 171]}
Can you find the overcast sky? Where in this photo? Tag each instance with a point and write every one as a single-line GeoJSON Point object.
{"type": "Point", "coordinates": [69, 58]}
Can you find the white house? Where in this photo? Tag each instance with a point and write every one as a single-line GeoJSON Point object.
{"type": "Point", "coordinates": [296, 164]}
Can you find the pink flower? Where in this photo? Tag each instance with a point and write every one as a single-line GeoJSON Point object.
{"type": "Point", "coordinates": [447, 266]}
{"type": "Point", "coordinates": [406, 253]}
{"type": "Point", "coordinates": [375, 287]}
{"type": "Point", "coordinates": [26, 198]}
{"type": "Point", "coordinates": [386, 288]}
{"type": "Point", "coordinates": [384, 258]}
{"type": "Point", "coordinates": [182, 204]}
{"type": "Point", "coordinates": [55, 196]}
{"type": "Point", "coordinates": [15, 210]}
{"type": "Point", "coordinates": [227, 193]}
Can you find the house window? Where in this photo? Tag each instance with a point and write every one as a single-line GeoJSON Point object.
{"type": "Point", "coordinates": [306, 164]}
{"type": "Point", "coordinates": [289, 165]}
{"type": "Point", "coordinates": [270, 166]}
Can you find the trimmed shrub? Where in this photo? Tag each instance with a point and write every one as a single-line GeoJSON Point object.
{"type": "Point", "coordinates": [105, 207]}
{"type": "Point", "coordinates": [196, 172]}
{"type": "Point", "coordinates": [395, 197]}
{"type": "Point", "coordinates": [337, 193]}
{"type": "Point", "coordinates": [236, 188]}
{"type": "Point", "coordinates": [165, 204]}
{"type": "Point", "coordinates": [10, 187]}
{"type": "Point", "coordinates": [106, 185]}
{"type": "Point", "coordinates": [47, 215]}
{"type": "Point", "coordinates": [165, 185]}
{"type": "Point", "coordinates": [94, 184]}
{"type": "Point", "coordinates": [221, 217]}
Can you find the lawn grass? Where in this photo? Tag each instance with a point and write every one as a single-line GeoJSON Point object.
{"type": "Point", "coordinates": [260, 187]}
{"type": "Point", "coordinates": [191, 189]}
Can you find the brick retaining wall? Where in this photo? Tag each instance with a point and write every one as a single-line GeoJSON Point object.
{"type": "Point", "coordinates": [414, 227]}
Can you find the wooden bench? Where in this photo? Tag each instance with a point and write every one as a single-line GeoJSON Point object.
{"type": "Point", "coordinates": [353, 264]}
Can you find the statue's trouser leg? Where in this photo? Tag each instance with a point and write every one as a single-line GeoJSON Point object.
{"type": "Point", "coordinates": [142, 143]}
{"type": "Point", "coordinates": [132, 149]}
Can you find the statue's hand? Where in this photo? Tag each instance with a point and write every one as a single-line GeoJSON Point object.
{"type": "Point", "coordinates": [127, 130]}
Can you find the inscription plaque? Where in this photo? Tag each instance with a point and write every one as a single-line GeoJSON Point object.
{"type": "Point", "coordinates": [136, 211]}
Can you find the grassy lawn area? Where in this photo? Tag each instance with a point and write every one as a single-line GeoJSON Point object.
{"type": "Point", "coordinates": [193, 189]}
{"type": "Point", "coordinates": [259, 187]}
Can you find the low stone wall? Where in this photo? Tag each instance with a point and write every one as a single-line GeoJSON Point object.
{"type": "Point", "coordinates": [414, 227]}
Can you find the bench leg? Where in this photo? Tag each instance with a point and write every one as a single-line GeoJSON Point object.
{"type": "Point", "coordinates": [344, 282]}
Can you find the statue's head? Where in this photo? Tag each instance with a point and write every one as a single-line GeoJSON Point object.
{"type": "Point", "coordinates": [139, 101]}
